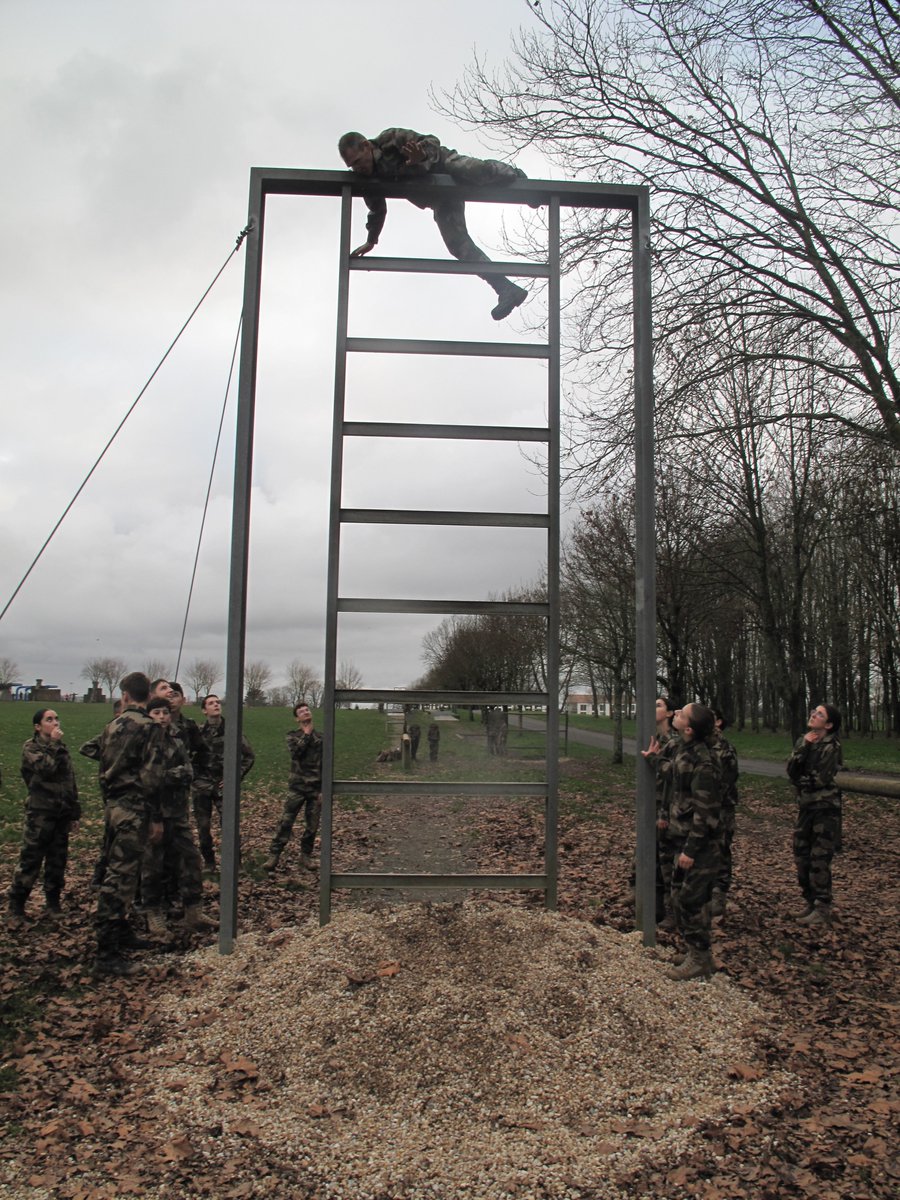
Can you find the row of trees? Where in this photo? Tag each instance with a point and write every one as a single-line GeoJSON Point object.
{"type": "Point", "coordinates": [778, 585]}
{"type": "Point", "coordinates": [768, 133]}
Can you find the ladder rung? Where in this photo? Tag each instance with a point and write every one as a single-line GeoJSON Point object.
{"type": "Point", "coordinates": [409, 516]}
{"type": "Point", "coordinates": [417, 787]}
{"type": "Point", "coordinates": [457, 699]}
{"type": "Point", "coordinates": [372, 879]}
{"type": "Point", "coordinates": [428, 346]}
{"type": "Point", "coordinates": [503, 608]}
{"type": "Point", "coordinates": [450, 266]}
{"type": "Point", "coordinates": [484, 433]}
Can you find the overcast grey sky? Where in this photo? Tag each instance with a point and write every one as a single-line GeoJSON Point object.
{"type": "Point", "coordinates": [128, 134]}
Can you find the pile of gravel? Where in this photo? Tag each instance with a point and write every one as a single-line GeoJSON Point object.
{"type": "Point", "coordinates": [463, 1050]}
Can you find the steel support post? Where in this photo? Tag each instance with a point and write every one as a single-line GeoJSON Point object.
{"type": "Point", "coordinates": [551, 839]}
{"type": "Point", "coordinates": [240, 550]}
{"type": "Point", "coordinates": [645, 572]}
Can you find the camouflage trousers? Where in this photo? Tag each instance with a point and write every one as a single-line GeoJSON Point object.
{"type": "Point", "coordinates": [815, 840]}
{"type": "Point", "coordinates": [311, 803]}
{"type": "Point", "coordinates": [45, 841]}
{"type": "Point", "coordinates": [204, 799]}
{"type": "Point", "coordinates": [691, 893]}
{"type": "Point", "coordinates": [726, 838]}
{"type": "Point", "coordinates": [450, 215]}
{"type": "Point", "coordinates": [127, 823]}
{"type": "Point", "coordinates": [174, 857]}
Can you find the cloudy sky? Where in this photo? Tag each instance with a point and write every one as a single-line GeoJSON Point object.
{"type": "Point", "coordinates": [128, 134]}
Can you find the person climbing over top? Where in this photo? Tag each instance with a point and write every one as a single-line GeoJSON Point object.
{"type": "Point", "coordinates": [396, 155]}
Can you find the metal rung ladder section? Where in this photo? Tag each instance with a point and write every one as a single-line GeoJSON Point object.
{"type": "Point", "coordinates": [337, 604]}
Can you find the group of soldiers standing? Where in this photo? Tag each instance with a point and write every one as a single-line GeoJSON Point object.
{"type": "Point", "coordinates": [696, 797]}
{"type": "Point", "coordinates": [156, 765]}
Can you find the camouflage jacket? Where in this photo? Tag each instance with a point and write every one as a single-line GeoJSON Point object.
{"type": "Point", "coordinates": [665, 773]}
{"type": "Point", "coordinates": [133, 760]}
{"type": "Point", "coordinates": [696, 796]}
{"type": "Point", "coordinates": [812, 768]}
{"type": "Point", "coordinates": [728, 765]}
{"type": "Point", "coordinates": [50, 777]}
{"type": "Point", "coordinates": [179, 774]}
{"type": "Point", "coordinates": [209, 775]}
{"type": "Point", "coordinates": [305, 750]}
{"type": "Point", "coordinates": [188, 733]}
{"type": "Point", "coordinates": [434, 732]}
{"type": "Point", "coordinates": [390, 165]}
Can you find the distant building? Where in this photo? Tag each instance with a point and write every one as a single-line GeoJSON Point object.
{"type": "Point", "coordinates": [42, 691]}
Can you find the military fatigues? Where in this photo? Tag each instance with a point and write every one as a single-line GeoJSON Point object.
{"type": "Point", "coordinates": [132, 773]}
{"type": "Point", "coordinates": [727, 758]}
{"type": "Point", "coordinates": [694, 827]}
{"type": "Point", "coordinates": [666, 853]}
{"type": "Point", "coordinates": [415, 735]}
{"type": "Point", "coordinates": [449, 214]}
{"type": "Point", "coordinates": [812, 767]}
{"type": "Point", "coordinates": [208, 776]}
{"type": "Point", "coordinates": [177, 845]}
{"type": "Point", "coordinates": [51, 807]}
{"type": "Point", "coordinates": [304, 791]}
{"type": "Point", "coordinates": [434, 741]}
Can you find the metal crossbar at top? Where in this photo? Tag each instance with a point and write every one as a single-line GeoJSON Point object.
{"type": "Point", "coordinates": [555, 195]}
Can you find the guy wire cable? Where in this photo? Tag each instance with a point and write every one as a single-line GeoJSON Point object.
{"type": "Point", "coordinates": [118, 428]}
{"type": "Point", "coordinates": [208, 491]}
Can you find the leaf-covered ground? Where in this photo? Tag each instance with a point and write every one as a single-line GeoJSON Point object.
{"type": "Point", "coordinates": [74, 1108]}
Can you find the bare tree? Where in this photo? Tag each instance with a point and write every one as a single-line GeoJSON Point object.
{"type": "Point", "coordinates": [257, 677]}
{"type": "Point", "coordinates": [769, 134]}
{"type": "Point", "coordinates": [107, 671]}
{"type": "Point", "coordinates": [202, 675]}
{"type": "Point", "coordinates": [279, 697]}
{"type": "Point", "coordinates": [302, 681]}
{"type": "Point", "coordinates": [9, 669]}
{"type": "Point", "coordinates": [349, 678]}
{"type": "Point", "coordinates": [155, 668]}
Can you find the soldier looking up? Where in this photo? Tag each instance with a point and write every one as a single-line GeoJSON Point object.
{"type": "Point", "coordinates": [402, 154]}
{"type": "Point", "coordinates": [304, 790]}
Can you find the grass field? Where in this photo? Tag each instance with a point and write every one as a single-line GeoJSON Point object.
{"type": "Point", "coordinates": [360, 735]}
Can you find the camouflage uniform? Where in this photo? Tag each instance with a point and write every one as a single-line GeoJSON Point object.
{"type": "Point", "coordinates": [304, 791]}
{"type": "Point", "coordinates": [669, 744]}
{"type": "Point", "coordinates": [51, 807]}
{"type": "Point", "coordinates": [177, 845]}
{"type": "Point", "coordinates": [694, 828]}
{"type": "Point", "coordinates": [208, 777]}
{"type": "Point", "coordinates": [812, 767]}
{"type": "Point", "coordinates": [449, 214]}
{"type": "Point", "coordinates": [132, 773]}
{"type": "Point", "coordinates": [415, 735]}
{"type": "Point", "coordinates": [728, 765]}
{"type": "Point", "coordinates": [434, 741]}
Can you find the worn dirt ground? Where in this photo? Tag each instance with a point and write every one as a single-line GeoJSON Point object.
{"type": "Point", "coordinates": [72, 1114]}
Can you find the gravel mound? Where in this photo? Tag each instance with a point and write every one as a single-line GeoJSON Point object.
{"type": "Point", "coordinates": [457, 1051]}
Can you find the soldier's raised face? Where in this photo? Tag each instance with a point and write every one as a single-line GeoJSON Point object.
{"type": "Point", "coordinates": [212, 706]}
{"type": "Point", "coordinates": [176, 699]}
{"type": "Point", "coordinates": [48, 722]}
{"type": "Point", "coordinates": [303, 715]}
{"type": "Point", "coordinates": [161, 690]}
{"type": "Point", "coordinates": [360, 159]}
{"type": "Point", "coordinates": [681, 720]}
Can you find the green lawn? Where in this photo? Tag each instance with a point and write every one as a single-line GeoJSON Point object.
{"type": "Point", "coordinates": [877, 753]}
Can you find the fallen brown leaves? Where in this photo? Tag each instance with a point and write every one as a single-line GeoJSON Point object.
{"type": "Point", "coordinates": [74, 1109]}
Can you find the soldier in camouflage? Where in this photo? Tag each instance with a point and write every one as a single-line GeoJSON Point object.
{"type": "Point", "coordinates": [132, 773]}
{"type": "Point", "coordinates": [661, 753]}
{"type": "Point", "coordinates": [177, 844]}
{"type": "Point", "coordinates": [812, 767]}
{"type": "Point", "coordinates": [304, 790]}
{"type": "Point", "coordinates": [728, 765]}
{"type": "Point", "coordinates": [402, 154]}
{"type": "Point", "coordinates": [434, 740]}
{"type": "Point", "coordinates": [52, 811]}
{"type": "Point", "coordinates": [209, 777]}
{"type": "Point", "coordinates": [694, 815]}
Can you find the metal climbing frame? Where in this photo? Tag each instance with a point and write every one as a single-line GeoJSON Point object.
{"type": "Point", "coordinates": [553, 195]}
